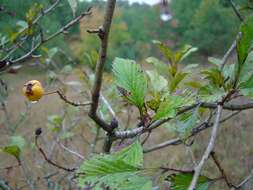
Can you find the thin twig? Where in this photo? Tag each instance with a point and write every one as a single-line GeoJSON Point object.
{"type": "Point", "coordinates": [50, 161]}
{"type": "Point", "coordinates": [95, 140]}
{"type": "Point", "coordinates": [223, 174]}
{"type": "Point", "coordinates": [208, 150]}
{"type": "Point", "coordinates": [109, 107]}
{"type": "Point", "coordinates": [176, 141]}
{"type": "Point", "coordinates": [236, 11]}
{"type": "Point", "coordinates": [76, 104]}
{"type": "Point", "coordinates": [227, 54]}
{"type": "Point", "coordinates": [71, 151]}
{"type": "Point", "coordinates": [244, 182]}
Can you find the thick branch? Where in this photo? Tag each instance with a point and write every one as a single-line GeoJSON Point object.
{"type": "Point", "coordinates": [104, 35]}
{"type": "Point", "coordinates": [142, 129]}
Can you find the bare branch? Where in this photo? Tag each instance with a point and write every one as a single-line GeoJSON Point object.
{"type": "Point", "coordinates": [230, 51]}
{"type": "Point", "coordinates": [236, 10]}
{"type": "Point", "coordinates": [103, 34]}
{"type": "Point", "coordinates": [64, 98]}
{"type": "Point", "coordinates": [142, 129]}
{"type": "Point", "coordinates": [208, 150]}
{"type": "Point", "coordinates": [195, 131]}
{"type": "Point", "coordinates": [109, 107]}
{"type": "Point", "coordinates": [38, 132]}
{"type": "Point", "coordinates": [223, 174]}
{"type": "Point", "coordinates": [71, 151]}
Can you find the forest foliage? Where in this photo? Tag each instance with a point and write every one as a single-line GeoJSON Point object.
{"type": "Point", "coordinates": [210, 26]}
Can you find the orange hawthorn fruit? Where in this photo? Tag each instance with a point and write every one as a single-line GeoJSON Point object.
{"type": "Point", "coordinates": [33, 90]}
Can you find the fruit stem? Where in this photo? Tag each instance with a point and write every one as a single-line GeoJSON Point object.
{"type": "Point", "coordinates": [48, 93]}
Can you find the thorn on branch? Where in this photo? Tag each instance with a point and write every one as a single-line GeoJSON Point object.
{"type": "Point", "coordinates": [114, 123]}
{"type": "Point", "coordinates": [100, 32]}
{"type": "Point", "coordinates": [93, 31]}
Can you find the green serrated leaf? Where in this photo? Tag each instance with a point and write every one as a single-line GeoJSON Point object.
{"type": "Point", "coordinates": [214, 76]}
{"type": "Point", "coordinates": [168, 108]}
{"type": "Point", "coordinates": [184, 52]}
{"type": "Point", "coordinates": [247, 92]}
{"type": "Point", "coordinates": [181, 181]}
{"type": "Point", "coordinates": [244, 43]}
{"type": "Point", "coordinates": [153, 104]}
{"type": "Point", "coordinates": [167, 52]}
{"type": "Point", "coordinates": [118, 171]}
{"type": "Point", "coordinates": [194, 84]}
{"type": "Point", "coordinates": [246, 70]}
{"type": "Point", "coordinates": [157, 81]}
{"type": "Point", "coordinates": [176, 80]}
{"type": "Point", "coordinates": [210, 93]}
{"type": "Point", "coordinates": [186, 122]}
{"type": "Point", "coordinates": [132, 154]}
{"type": "Point", "coordinates": [129, 76]}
